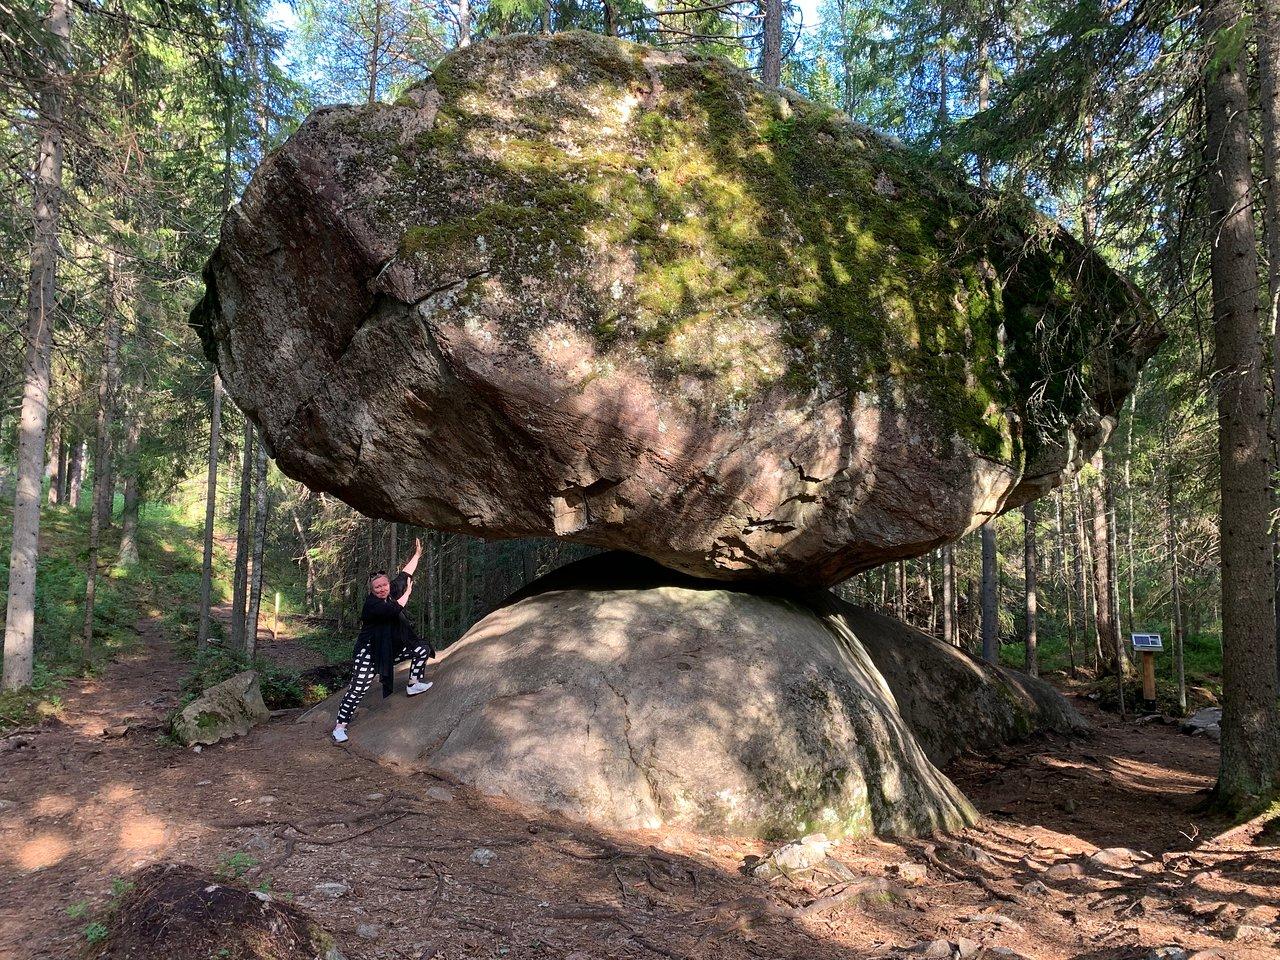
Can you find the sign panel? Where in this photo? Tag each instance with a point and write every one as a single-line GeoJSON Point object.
{"type": "Point", "coordinates": [1148, 642]}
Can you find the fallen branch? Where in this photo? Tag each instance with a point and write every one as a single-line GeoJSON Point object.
{"type": "Point", "coordinates": [931, 854]}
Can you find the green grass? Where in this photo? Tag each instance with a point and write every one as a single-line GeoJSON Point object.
{"type": "Point", "coordinates": [165, 583]}
{"type": "Point", "coordinates": [1202, 666]}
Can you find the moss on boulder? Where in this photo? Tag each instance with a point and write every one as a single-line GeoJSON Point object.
{"type": "Point", "coordinates": [682, 272]}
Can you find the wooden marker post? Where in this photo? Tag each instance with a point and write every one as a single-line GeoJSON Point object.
{"type": "Point", "coordinates": [1148, 644]}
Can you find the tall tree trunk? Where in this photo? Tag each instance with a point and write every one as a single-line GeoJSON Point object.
{"type": "Point", "coordinates": [1269, 107]}
{"type": "Point", "coordinates": [984, 100]}
{"type": "Point", "coordinates": [101, 457]}
{"type": "Point", "coordinates": [210, 511]}
{"type": "Point", "coordinates": [53, 469]}
{"type": "Point", "coordinates": [259, 545]}
{"type": "Point", "coordinates": [610, 20]}
{"type": "Point", "coordinates": [240, 585]}
{"type": "Point", "coordinates": [1079, 564]}
{"type": "Point", "coordinates": [307, 560]}
{"type": "Point", "coordinates": [464, 22]}
{"type": "Point", "coordinates": [19, 627]}
{"type": "Point", "coordinates": [1029, 564]}
{"type": "Point", "coordinates": [1129, 524]}
{"type": "Point", "coordinates": [1060, 541]}
{"type": "Point", "coordinates": [1175, 589]}
{"type": "Point", "coordinates": [1102, 591]}
{"type": "Point", "coordinates": [949, 632]}
{"type": "Point", "coordinates": [132, 482]}
{"type": "Point", "coordinates": [1104, 580]}
{"type": "Point", "coordinates": [771, 57]}
{"type": "Point", "coordinates": [900, 585]}
{"type": "Point", "coordinates": [64, 468]}
{"type": "Point", "coordinates": [75, 482]}
{"type": "Point", "coordinates": [990, 608]}
{"type": "Point", "coordinates": [1250, 758]}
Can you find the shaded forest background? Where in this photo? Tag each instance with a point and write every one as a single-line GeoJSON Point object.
{"type": "Point", "coordinates": [130, 126]}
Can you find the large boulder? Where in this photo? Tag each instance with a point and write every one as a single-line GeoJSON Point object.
{"type": "Point", "coordinates": [629, 696]}
{"type": "Point", "coordinates": [571, 286]}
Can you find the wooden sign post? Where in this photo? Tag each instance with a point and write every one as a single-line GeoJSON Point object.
{"type": "Point", "coordinates": [1148, 644]}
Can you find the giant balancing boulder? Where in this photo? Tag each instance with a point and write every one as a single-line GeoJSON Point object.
{"type": "Point", "coordinates": [575, 287]}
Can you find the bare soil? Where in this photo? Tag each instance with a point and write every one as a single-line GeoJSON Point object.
{"type": "Point", "coordinates": [428, 868]}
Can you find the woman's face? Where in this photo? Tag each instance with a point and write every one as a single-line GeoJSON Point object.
{"type": "Point", "coordinates": [381, 587]}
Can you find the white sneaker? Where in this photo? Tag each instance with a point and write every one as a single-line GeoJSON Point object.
{"type": "Point", "coordinates": [339, 735]}
{"type": "Point", "coordinates": [417, 687]}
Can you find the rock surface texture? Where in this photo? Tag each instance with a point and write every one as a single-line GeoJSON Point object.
{"type": "Point", "coordinates": [662, 699]}
{"type": "Point", "coordinates": [229, 709]}
{"type": "Point", "coordinates": [571, 286]}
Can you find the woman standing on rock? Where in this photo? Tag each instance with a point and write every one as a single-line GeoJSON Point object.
{"type": "Point", "coordinates": [385, 638]}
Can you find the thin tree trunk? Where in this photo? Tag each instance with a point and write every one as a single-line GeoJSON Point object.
{"type": "Point", "coordinates": [984, 100]}
{"type": "Point", "coordinates": [990, 626]}
{"type": "Point", "coordinates": [240, 586]}
{"type": "Point", "coordinates": [901, 586]}
{"type": "Point", "coordinates": [64, 469]}
{"type": "Point", "coordinates": [19, 627]}
{"type": "Point", "coordinates": [771, 59]}
{"type": "Point", "coordinates": [1250, 758]}
{"type": "Point", "coordinates": [1079, 564]}
{"type": "Point", "coordinates": [307, 560]}
{"type": "Point", "coordinates": [464, 22]}
{"type": "Point", "coordinates": [1129, 525]}
{"type": "Point", "coordinates": [1102, 591]}
{"type": "Point", "coordinates": [259, 546]}
{"type": "Point", "coordinates": [76, 482]}
{"type": "Point", "coordinates": [53, 469]}
{"type": "Point", "coordinates": [129, 515]}
{"type": "Point", "coordinates": [1064, 565]}
{"type": "Point", "coordinates": [101, 456]}
{"type": "Point", "coordinates": [1029, 563]}
{"type": "Point", "coordinates": [210, 507]}
{"type": "Point", "coordinates": [949, 632]}
{"type": "Point", "coordinates": [1175, 589]}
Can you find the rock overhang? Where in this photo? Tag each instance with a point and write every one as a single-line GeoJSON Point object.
{"type": "Point", "coordinates": [571, 286]}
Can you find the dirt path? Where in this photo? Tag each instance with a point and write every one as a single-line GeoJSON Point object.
{"type": "Point", "coordinates": [290, 812]}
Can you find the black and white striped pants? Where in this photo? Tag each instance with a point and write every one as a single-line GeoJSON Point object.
{"type": "Point", "coordinates": [363, 673]}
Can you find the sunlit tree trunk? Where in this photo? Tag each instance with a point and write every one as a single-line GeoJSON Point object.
{"type": "Point", "coordinates": [1029, 565]}
{"type": "Point", "coordinates": [990, 611]}
{"type": "Point", "coordinates": [53, 469]}
{"type": "Point", "coordinates": [19, 627]}
{"type": "Point", "coordinates": [1250, 758]}
{"type": "Point", "coordinates": [949, 632]}
{"type": "Point", "coordinates": [101, 457]}
{"type": "Point", "coordinates": [210, 510]}
{"type": "Point", "coordinates": [259, 544]}
{"type": "Point", "coordinates": [240, 585]}
{"type": "Point", "coordinates": [1068, 581]}
{"type": "Point", "coordinates": [75, 480]}
{"type": "Point", "coordinates": [1175, 587]}
{"type": "Point", "coordinates": [132, 482]}
{"type": "Point", "coordinates": [1269, 106]}
{"type": "Point", "coordinates": [771, 56]}
{"type": "Point", "coordinates": [464, 22]}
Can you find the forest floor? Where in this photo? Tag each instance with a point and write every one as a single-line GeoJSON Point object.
{"type": "Point", "coordinates": [419, 867]}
